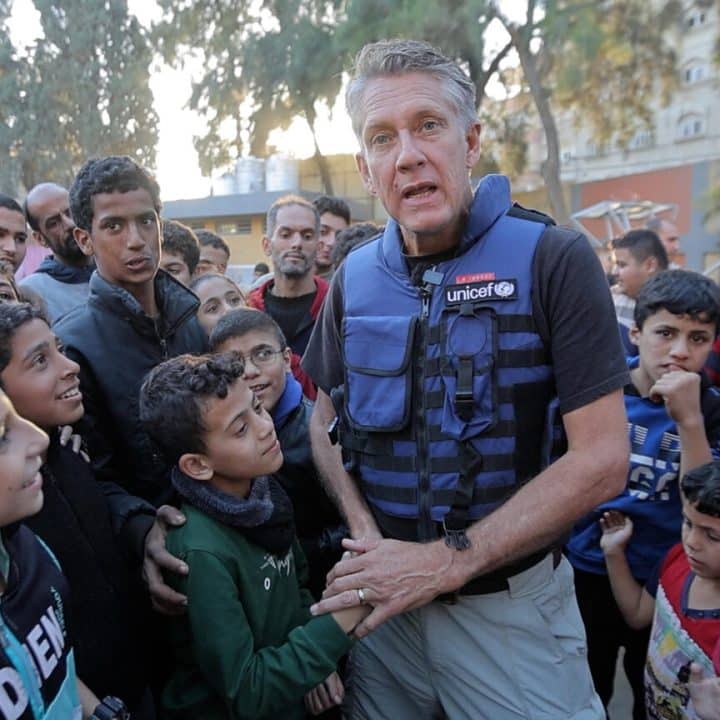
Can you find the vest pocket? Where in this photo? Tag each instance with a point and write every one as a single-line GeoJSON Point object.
{"type": "Point", "coordinates": [378, 386]}
{"type": "Point", "coordinates": [468, 372]}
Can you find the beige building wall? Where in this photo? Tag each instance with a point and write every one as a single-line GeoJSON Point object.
{"type": "Point", "coordinates": [346, 181]}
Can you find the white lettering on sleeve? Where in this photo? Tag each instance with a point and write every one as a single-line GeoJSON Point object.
{"type": "Point", "coordinates": [54, 631]}
{"type": "Point", "coordinates": [46, 659]}
{"type": "Point", "coordinates": [13, 697]}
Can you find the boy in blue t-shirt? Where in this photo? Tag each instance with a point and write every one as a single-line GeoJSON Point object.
{"type": "Point", "coordinates": [670, 406]}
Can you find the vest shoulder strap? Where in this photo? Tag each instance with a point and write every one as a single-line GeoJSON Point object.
{"type": "Point", "coordinates": [519, 211]}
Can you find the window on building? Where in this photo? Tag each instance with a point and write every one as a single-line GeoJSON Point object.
{"type": "Point", "coordinates": [690, 126]}
{"type": "Point", "coordinates": [596, 149]}
{"type": "Point", "coordinates": [642, 139]}
{"type": "Point", "coordinates": [695, 19]}
{"type": "Point", "coordinates": [241, 226]}
{"type": "Point", "coordinates": [694, 72]}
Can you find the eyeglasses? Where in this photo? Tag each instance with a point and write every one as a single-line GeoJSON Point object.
{"type": "Point", "coordinates": [260, 357]}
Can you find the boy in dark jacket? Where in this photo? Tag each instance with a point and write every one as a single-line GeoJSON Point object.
{"type": "Point", "coordinates": [135, 318]}
{"type": "Point", "coordinates": [107, 601]}
{"type": "Point", "coordinates": [258, 339]}
{"type": "Point", "coordinates": [247, 646]}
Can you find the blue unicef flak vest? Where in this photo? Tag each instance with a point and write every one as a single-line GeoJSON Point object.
{"type": "Point", "coordinates": [448, 385]}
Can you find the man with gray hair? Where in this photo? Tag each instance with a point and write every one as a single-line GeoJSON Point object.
{"type": "Point", "coordinates": [453, 356]}
{"type": "Point", "coordinates": [294, 295]}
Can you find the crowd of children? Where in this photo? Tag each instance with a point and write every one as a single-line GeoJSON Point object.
{"type": "Point", "coordinates": [164, 388]}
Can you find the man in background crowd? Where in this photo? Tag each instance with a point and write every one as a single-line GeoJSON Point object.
{"type": "Point", "coordinates": [294, 295]}
{"type": "Point", "coordinates": [334, 216]}
{"type": "Point", "coordinates": [63, 278]}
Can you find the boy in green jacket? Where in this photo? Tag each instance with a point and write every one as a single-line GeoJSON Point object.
{"type": "Point", "coordinates": [247, 646]}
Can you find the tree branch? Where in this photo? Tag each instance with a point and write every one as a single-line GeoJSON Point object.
{"type": "Point", "coordinates": [492, 69]}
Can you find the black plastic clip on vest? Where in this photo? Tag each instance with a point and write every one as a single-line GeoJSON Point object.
{"type": "Point", "coordinates": [456, 539]}
{"type": "Point", "coordinates": [457, 519]}
{"type": "Point", "coordinates": [464, 401]}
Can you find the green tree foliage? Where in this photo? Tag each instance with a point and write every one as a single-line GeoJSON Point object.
{"type": "Point", "coordinates": [81, 90]}
{"type": "Point", "coordinates": [9, 94]}
{"type": "Point", "coordinates": [459, 28]}
{"type": "Point", "coordinates": [278, 55]}
{"type": "Point", "coordinates": [606, 60]}
{"type": "Point", "coordinates": [617, 59]}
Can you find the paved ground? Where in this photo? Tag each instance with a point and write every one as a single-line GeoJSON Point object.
{"type": "Point", "coordinates": [621, 704]}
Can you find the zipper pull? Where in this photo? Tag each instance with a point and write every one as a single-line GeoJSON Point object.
{"type": "Point", "coordinates": [431, 279]}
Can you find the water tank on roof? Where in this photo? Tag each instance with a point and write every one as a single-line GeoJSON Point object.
{"type": "Point", "coordinates": [282, 173]}
{"type": "Point", "coordinates": [250, 174]}
{"type": "Point", "coordinates": [225, 184]}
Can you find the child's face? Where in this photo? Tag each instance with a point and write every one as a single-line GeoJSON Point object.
{"type": "Point", "coordinates": [631, 273]}
{"type": "Point", "coordinates": [266, 365]}
{"type": "Point", "coordinates": [174, 263]}
{"type": "Point", "coordinates": [42, 383]}
{"type": "Point", "coordinates": [22, 447]}
{"type": "Point", "coordinates": [212, 259]}
{"type": "Point", "coordinates": [701, 541]}
{"type": "Point", "coordinates": [240, 440]}
{"type": "Point", "coordinates": [7, 291]}
{"type": "Point", "coordinates": [125, 238]}
{"type": "Point", "coordinates": [672, 342]}
{"type": "Point", "coordinates": [218, 296]}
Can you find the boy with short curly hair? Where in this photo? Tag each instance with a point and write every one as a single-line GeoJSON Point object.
{"type": "Point", "coordinates": [247, 646]}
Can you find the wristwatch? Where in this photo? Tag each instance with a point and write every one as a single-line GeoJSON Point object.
{"type": "Point", "coordinates": [110, 708]}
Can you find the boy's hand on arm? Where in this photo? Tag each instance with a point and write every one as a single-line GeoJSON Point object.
{"type": "Point", "coordinates": [327, 694]}
{"type": "Point", "coordinates": [68, 435]}
{"type": "Point", "coordinates": [350, 617]}
{"type": "Point", "coordinates": [616, 532]}
{"type": "Point", "coordinates": [156, 558]}
{"type": "Point", "coordinates": [705, 694]}
{"type": "Point", "coordinates": [394, 576]}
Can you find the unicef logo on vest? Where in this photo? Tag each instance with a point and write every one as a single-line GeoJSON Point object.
{"type": "Point", "coordinates": [505, 288]}
{"type": "Point", "coordinates": [486, 291]}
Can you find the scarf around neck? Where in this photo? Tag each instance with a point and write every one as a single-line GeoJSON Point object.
{"type": "Point", "coordinates": [264, 517]}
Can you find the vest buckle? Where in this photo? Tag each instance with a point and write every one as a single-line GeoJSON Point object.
{"type": "Point", "coordinates": [455, 538]}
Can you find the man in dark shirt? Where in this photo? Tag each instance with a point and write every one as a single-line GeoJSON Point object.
{"type": "Point", "coordinates": [434, 346]}
{"type": "Point", "coordinates": [294, 295]}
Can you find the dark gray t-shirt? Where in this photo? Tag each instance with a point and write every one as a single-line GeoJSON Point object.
{"type": "Point", "coordinates": [572, 308]}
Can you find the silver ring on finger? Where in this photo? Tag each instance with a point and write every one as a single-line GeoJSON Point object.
{"type": "Point", "coordinates": [361, 596]}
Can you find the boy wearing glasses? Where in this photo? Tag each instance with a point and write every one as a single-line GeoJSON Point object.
{"type": "Point", "coordinates": [256, 337]}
